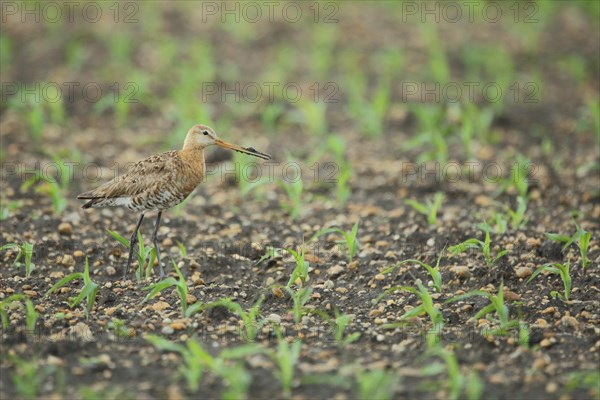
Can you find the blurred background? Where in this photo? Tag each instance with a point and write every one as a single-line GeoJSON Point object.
{"type": "Point", "coordinates": [337, 87]}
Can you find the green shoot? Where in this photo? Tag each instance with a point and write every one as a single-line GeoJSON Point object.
{"type": "Point", "coordinates": [118, 328]}
{"type": "Point", "coordinates": [57, 188]}
{"type": "Point", "coordinates": [6, 207]}
{"type": "Point", "coordinates": [29, 376]}
{"type": "Point", "coordinates": [376, 384]}
{"type": "Point", "coordinates": [301, 269]}
{"type": "Point", "coordinates": [485, 246]}
{"type": "Point", "coordinates": [9, 304]}
{"type": "Point", "coordinates": [197, 361]}
{"type": "Point", "coordinates": [89, 291]}
{"type": "Point", "coordinates": [561, 270]}
{"type": "Point", "coordinates": [250, 319]}
{"type": "Point", "coordinates": [144, 253]}
{"type": "Point", "coordinates": [180, 286]}
{"type": "Point", "coordinates": [25, 250]}
{"type": "Point", "coordinates": [457, 383]}
{"type": "Point", "coordinates": [350, 242]}
{"type": "Point", "coordinates": [300, 297]}
{"type": "Point", "coordinates": [427, 306]}
{"type": "Point", "coordinates": [292, 204]}
{"type": "Point", "coordinates": [580, 236]}
{"type": "Point", "coordinates": [430, 208]}
{"type": "Point", "coordinates": [496, 306]}
{"type": "Point", "coordinates": [434, 272]}
{"type": "Point", "coordinates": [286, 359]}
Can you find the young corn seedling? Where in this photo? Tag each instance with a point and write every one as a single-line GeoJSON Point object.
{"type": "Point", "coordinates": [337, 147]}
{"type": "Point", "coordinates": [340, 323]}
{"type": "Point", "coordinates": [485, 246]}
{"type": "Point", "coordinates": [180, 286]}
{"type": "Point", "coordinates": [286, 358]}
{"type": "Point", "coordinates": [29, 376]}
{"type": "Point", "coordinates": [427, 306]}
{"type": "Point", "coordinates": [496, 307]}
{"type": "Point", "coordinates": [197, 361]}
{"type": "Point", "coordinates": [519, 178]}
{"type": "Point", "coordinates": [6, 207]}
{"type": "Point", "coordinates": [14, 301]}
{"type": "Point", "coordinates": [581, 237]}
{"type": "Point", "coordinates": [561, 270]}
{"type": "Point", "coordinates": [376, 384]}
{"type": "Point", "coordinates": [118, 328]}
{"type": "Point", "coordinates": [250, 318]}
{"type": "Point", "coordinates": [25, 250]}
{"type": "Point", "coordinates": [89, 291]}
{"type": "Point", "coordinates": [302, 266]}
{"type": "Point", "coordinates": [430, 208]}
{"type": "Point", "coordinates": [293, 202]}
{"type": "Point", "coordinates": [517, 216]}
{"type": "Point", "coordinates": [57, 188]}
{"type": "Point", "coordinates": [144, 253]}
{"type": "Point", "coordinates": [434, 272]}
{"type": "Point", "coordinates": [457, 383]}
{"type": "Point", "coordinates": [432, 134]}
{"type": "Point", "coordinates": [350, 243]}
{"type": "Point", "coordinates": [300, 297]}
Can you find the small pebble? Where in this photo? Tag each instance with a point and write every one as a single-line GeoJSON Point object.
{"type": "Point", "coordinates": [167, 330]}
{"type": "Point", "coordinates": [335, 271]}
{"type": "Point", "coordinates": [379, 277]}
{"type": "Point", "coordinates": [523, 272]}
{"type": "Point", "coordinates": [461, 271]}
{"type": "Point", "coordinates": [65, 228]}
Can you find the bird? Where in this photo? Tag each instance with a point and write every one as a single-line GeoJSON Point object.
{"type": "Point", "coordinates": [160, 182]}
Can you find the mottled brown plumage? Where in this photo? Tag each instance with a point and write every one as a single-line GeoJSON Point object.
{"type": "Point", "coordinates": [161, 181]}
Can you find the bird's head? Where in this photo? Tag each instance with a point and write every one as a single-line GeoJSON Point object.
{"type": "Point", "coordinates": [203, 136]}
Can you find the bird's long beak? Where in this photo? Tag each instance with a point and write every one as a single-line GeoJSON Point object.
{"type": "Point", "coordinates": [245, 150]}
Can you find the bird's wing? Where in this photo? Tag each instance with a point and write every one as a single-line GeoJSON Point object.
{"type": "Point", "coordinates": [140, 177]}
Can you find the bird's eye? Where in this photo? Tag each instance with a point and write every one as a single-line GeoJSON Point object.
{"type": "Point", "coordinates": [205, 133]}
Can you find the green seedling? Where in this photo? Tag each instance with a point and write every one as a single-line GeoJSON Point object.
{"type": "Point", "coordinates": [517, 216]}
{"type": "Point", "coordinates": [300, 297]}
{"type": "Point", "coordinates": [250, 318]}
{"type": "Point", "coordinates": [302, 266]}
{"type": "Point", "coordinates": [457, 383]}
{"type": "Point", "coordinates": [496, 307]}
{"type": "Point", "coordinates": [430, 208]}
{"type": "Point", "coordinates": [180, 286]}
{"type": "Point", "coordinates": [197, 361]}
{"type": "Point", "coordinates": [340, 323]}
{"type": "Point", "coordinates": [57, 188]}
{"type": "Point", "coordinates": [293, 202]}
{"type": "Point", "coordinates": [485, 246]}
{"type": "Point", "coordinates": [270, 253]}
{"type": "Point", "coordinates": [427, 306]}
{"type": "Point", "coordinates": [269, 116]}
{"type": "Point", "coordinates": [586, 379]}
{"type": "Point", "coordinates": [519, 178]}
{"type": "Point", "coordinates": [182, 249]}
{"type": "Point", "coordinates": [144, 253]}
{"type": "Point", "coordinates": [14, 301]}
{"type": "Point", "coordinates": [313, 116]}
{"type": "Point", "coordinates": [581, 237]}
{"type": "Point", "coordinates": [434, 272]}
{"type": "Point", "coordinates": [286, 358]}
{"type": "Point", "coordinates": [89, 291]}
{"type": "Point", "coordinates": [376, 384]}
{"type": "Point", "coordinates": [561, 270]}
{"type": "Point", "coordinates": [6, 207]}
{"type": "Point", "coordinates": [25, 250]}
{"type": "Point", "coordinates": [431, 135]}
{"type": "Point", "coordinates": [118, 328]}
{"type": "Point", "coordinates": [29, 376]}
{"type": "Point", "coordinates": [350, 242]}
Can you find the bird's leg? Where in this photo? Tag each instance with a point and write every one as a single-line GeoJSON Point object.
{"type": "Point", "coordinates": [132, 243]}
{"type": "Point", "coordinates": [155, 243]}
